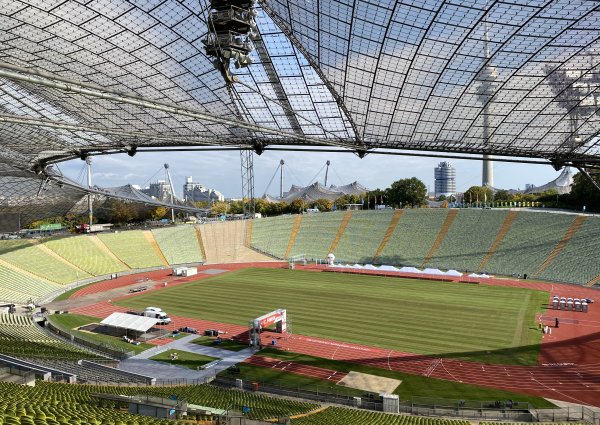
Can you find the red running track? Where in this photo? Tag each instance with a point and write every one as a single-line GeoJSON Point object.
{"type": "Point", "coordinates": [569, 362]}
{"type": "Point", "coordinates": [297, 368]}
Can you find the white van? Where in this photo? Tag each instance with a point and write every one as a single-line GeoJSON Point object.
{"type": "Point", "coordinates": [157, 313]}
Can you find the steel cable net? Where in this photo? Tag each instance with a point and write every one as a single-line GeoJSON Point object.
{"type": "Point", "coordinates": [518, 78]}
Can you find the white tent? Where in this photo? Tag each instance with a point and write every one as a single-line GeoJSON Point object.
{"type": "Point", "coordinates": [474, 275]}
{"type": "Point", "coordinates": [387, 268]}
{"type": "Point", "coordinates": [357, 266]}
{"type": "Point", "coordinates": [130, 322]}
{"type": "Point", "coordinates": [433, 271]}
{"type": "Point", "coordinates": [370, 267]}
{"type": "Point", "coordinates": [410, 270]}
{"type": "Point", "coordinates": [453, 273]}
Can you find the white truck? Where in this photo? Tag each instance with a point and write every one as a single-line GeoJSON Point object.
{"type": "Point", "coordinates": [157, 313]}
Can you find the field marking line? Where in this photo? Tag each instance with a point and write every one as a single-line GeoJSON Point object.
{"type": "Point", "coordinates": [558, 392]}
{"type": "Point", "coordinates": [452, 376]}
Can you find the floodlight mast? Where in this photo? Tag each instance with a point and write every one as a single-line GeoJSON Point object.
{"type": "Point", "coordinates": [328, 163]}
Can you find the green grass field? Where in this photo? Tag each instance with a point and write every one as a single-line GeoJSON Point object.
{"type": "Point", "coordinates": [483, 323]}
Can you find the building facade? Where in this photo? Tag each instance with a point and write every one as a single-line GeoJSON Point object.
{"type": "Point", "coordinates": [445, 179]}
{"type": "Point", "coordinates": [197, 192]}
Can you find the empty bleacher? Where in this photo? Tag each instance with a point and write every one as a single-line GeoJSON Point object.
{"type": "Point", "coordinates": [468, 239]}
{"type": "Point", "coordinates": [271, 235]}
{"type": "Point", "coordinates": [24, 255]}
{"type": "Point", "coordinates": [413, 237]}
{"type": "Point", "coordinates": [21, 337]}
{"type": "Point", "coordinates": [530, 240]}
{"type": "Point", "coordinates": [18, 287]}
{"type": "Point", "coordinates": [362, 236]}
{"type": "Point", "coordinates": [316, 233]}
{"type": "Point", "coordinates": [578, 261]}
{"type": "Point", "coordinates": [89, 371]}
{"type": "Point", "coordinates": [132, 247]}
{"type": "Point", "coordinates": [179, 244]}
{"type": "Point", "coordinates": [85, 254]}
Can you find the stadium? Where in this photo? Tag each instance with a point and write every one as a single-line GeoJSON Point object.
{"type": "Point", "coordinates": [412, 316]}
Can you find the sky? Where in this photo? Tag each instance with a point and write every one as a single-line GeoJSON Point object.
{"type": "Point", "coordinates": [221, 170]}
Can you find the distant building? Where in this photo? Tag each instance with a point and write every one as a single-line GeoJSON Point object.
{"type": "Point", "coordinates": [197, 192]}
{"type": "Point", "coordinates": [159, 190]}
{"type": "Point", "coordinates": [445, 179]}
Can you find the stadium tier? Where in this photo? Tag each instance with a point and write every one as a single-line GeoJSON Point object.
{"type": "Point", "coordinates": [341, 416]}
{"type": "Point", "coordinates": [133, 248]}
{"type": "Point", "coordinates": [530, 240]}
{"type": "Point", "coordinates": [22, 338]}
{"type": "Point", "coordinates": [24, 255]}
{"type": "Point", "coordinates": [84, 253]}
{"type": "Point", "coordinates": [315, 234]}
{"type": "Point", "coordinates": [578, 261]}
{"type": "Point", "coordinates": [75, 404]}
{"type": "Point", "coordinates": [17, 287]}
{"type": "Point", "coordinates": [362, 236]}
{"type": "Point", "coordinates": [272, 235]}
{"type": "Point", "coordinates": [413, 237]}
{"type": "Point", "coordinates": [468, 239]}
{"type": "Point", "coordinates": [179, 244]}
{"type": "Point", "coordinates": [550, 245]}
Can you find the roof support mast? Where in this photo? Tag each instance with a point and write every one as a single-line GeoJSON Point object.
{"type": "Point", "coordinates": [172, 191]}
{"type": "Point", "coordinates": [88, 164]}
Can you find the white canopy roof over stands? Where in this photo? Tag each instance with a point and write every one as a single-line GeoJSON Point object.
{"type": "Point", "coordinates": [130, 322]}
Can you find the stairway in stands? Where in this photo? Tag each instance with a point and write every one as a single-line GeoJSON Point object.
{"type": "Point", "coordinates": [292, 241]}
{"type": "Point", "coordinates": [577, 223]}
{"type": "Point", "coordinates": [225, 242]}
{"type": "Point", "coordinates": [341, 230]}
{"type": "Point", "coordinates": [593, 281]}
{"type": "Point", "coordinates": [508, 221]}
{"type": "Point", "coordinates": [441, 236]}
{"type": "Point", "coordinates": [388, 234]}
{"type": "Point", "coordinates": [96, 240]}
{"type": "Point", "coordinates": [200, 243]}
{"type": "Point", "coordinates": [150, 238]}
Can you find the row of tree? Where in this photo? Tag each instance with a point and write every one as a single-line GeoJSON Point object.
{"type": "Point", "coordinates": [404, 193]}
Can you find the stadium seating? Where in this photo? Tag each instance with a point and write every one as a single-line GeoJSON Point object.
{"type": "Point", "coordinates": [342, 416]}
{"type": "Point", "coordinates": [19, 287]}
{"type": "Point", "coordinates": [363, 235]}
{"type": "Point", "coordinates": [530, 240]}
{"type": "Point", "coordinates": [578, 261]}
{"type": "Point", "coordinates": [316, 233]}
{"type": "Point", "coordinates": [74, 405]}
{"type": "Point", "coordinates": [23, 254]}
{"type": "Point", "coordinates": [132, 248]}
{"type": "Point", "coordinates": [85, 254]}
{"type": "Point", "coordinates": [468, 239]}
{"type": "Point", "coordinates": [179, 244]}
{"type": "Point", "coordinates": [271, 235]}
{"type": "Point", "coordinates": [20, 337]}
{"type": "Point", "coordinates": [413, 237]}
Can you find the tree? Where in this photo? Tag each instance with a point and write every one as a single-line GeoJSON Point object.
{"type": "Point", "coordinates": [323, 205]}
{"type": "Point", "coordinates": [297, 206]}
{"type": "Point", "coordinates": [407, 192]}
{"type": "Point", "coordinates": [158, 212]}
{"type": "Point", "coordinates": [219, 208]}
{"type": "Point", "coordinates": [502, 196]}
{"type": "Point", "coordinates": [583, 193]}
{"type": "Point", "coordinates": [479, 195]}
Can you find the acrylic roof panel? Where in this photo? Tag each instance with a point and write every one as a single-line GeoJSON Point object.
{"type": "Point", "coordinates": [514, 78]}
